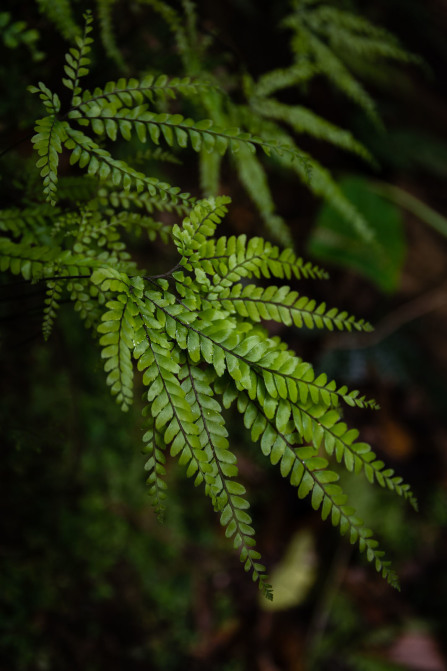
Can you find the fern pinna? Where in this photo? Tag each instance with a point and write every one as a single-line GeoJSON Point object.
{"type": "Point", "coordinates": [195, 334]}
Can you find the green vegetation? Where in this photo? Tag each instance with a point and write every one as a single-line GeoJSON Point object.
{"type": "Point", "coordinates": [182, 310]}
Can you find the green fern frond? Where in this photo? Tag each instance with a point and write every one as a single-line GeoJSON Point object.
{"type": "Point", "coordinates": [26, 221]}
{"type": "Point", "coordinates": [309, 474]}
{"type": "Point", "coordinates": [195, 332]}
{"type": "Point", "coordinates": [126, 93]}
{"type": "Point", "coordinates": [337, 41]}
{"type": "Point", "coordinates": [155, 447]}
{"type": "Point", "coordinates": [50, 136]}
{"type": "Point", "coordinates": [227, 495]}
{"type": "Point", "coordinates": [285, 306]}
{"type": "Point", "coordinates": [198, 227]}
{"type": "Point", "coordinates": [123, 200]}
{"type": "Point", "coordinates": [54, 292]}
{"type": "Point", "coordinates": [77, 61]}
{"type": "Point", "coordinates": [229, 260]}
{"type": "Point", "coordinates": [174, 129]}
{"type": "Point", "coordinates": [35, 262]}
{"type": "Point", "coordinates": [99, 162]}
{"type": "Point", "coordinates": [303, 120]}
{"type": "Point", "coordinates": [118, 328]}
{"type": "Point", "coordinates": [282, 78]}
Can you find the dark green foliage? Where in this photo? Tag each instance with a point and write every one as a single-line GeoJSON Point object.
{"type": "Point", "coordinates": [195, 333]}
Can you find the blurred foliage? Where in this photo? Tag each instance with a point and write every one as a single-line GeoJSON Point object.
{"type": "Point", "coordinates": [335, 242]}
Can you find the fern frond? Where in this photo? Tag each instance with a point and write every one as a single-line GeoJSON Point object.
{"type": "Point", "coordinates": [175, 129]}
{"type": "Point", "coordinates": [77, 61]}
{"type": "Point", "coordinates": [123, 200]}
{"type": "Point", "coordinates": [227, 495]}
{"type": "Point", "coordinates": [198, 227]}
{"type": "Point", "coordinates": [287, 388]}
{"type": "Point", "coordinates": [118, 328]}
{"type": "Point", "coordinates": [35, 262]}
{"type": "Point", "coordinates": [229, 260]}
{"type": "Point", "coordinates": [27, 221]}
{"type": "Point", "coordinates": [54, 292]}
{"type": "Point", "coordinates": [310, 475]}
{"type": "Point", "coordinates": [50, 136]}
{"type": "Point", "coordinates": [126, 93]}
{"type": "Point", "coordinates": [155, 447]}
{"type": "Point", "coordinates": [99, 162]}
{"type": "Point", "coordinates": [303, 120]}
{"type": "Point", "coordinates": [285, 306]}
{"type": "Point", "coordinates": [282, 78]}
{"type": "Point", "coordinates": [59, 12]}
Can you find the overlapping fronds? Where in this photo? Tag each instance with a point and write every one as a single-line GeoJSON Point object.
{"type": "Point", "coordinates": [338, 42]}
{"type": "Point", "coordinates": [194, 339]}
{"type": "Point", "coordinates": [195, 333]}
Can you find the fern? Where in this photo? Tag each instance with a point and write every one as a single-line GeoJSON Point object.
{"type": "Point", "coordinates": [194, 334]}
{"type": "Point", "coordinates": [332, 39]}
{"type": "Point", "coordinates": [284, 404]}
